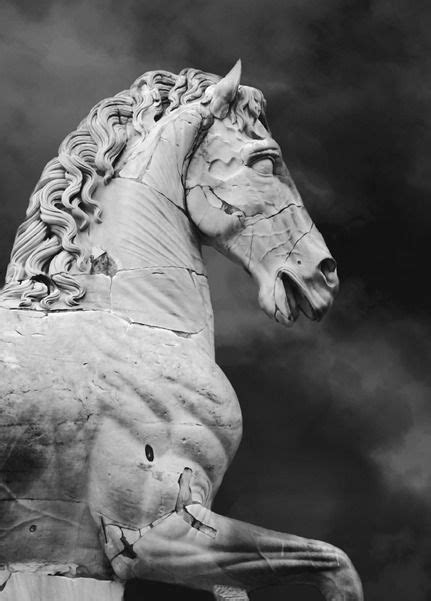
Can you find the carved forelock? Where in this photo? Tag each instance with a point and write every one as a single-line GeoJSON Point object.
{"type": "Point", "coordinates": [62, 202]}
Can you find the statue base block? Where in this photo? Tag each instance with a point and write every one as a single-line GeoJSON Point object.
{"type": "Point", "coordinates": [26, 586]}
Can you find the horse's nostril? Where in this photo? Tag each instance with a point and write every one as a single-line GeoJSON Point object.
{"type": "Point", "coordinates": [328, 267]}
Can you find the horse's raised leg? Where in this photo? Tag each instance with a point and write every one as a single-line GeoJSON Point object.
{"type": "Point", "coordinates": [201, 549]}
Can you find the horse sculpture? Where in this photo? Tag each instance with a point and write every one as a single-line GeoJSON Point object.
{"type": "Point", "coordinates": [117, 425]}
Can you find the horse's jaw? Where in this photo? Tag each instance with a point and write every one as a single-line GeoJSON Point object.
{"type": "Point", "coordinates": [287, 294]}
{"type": "Point", "coordinates": [280, 301]}
{"type": "Point", "coordinates": [298, 299]}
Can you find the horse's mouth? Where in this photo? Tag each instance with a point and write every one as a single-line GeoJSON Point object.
{"type": "Point", "coordinates": [291, 299]}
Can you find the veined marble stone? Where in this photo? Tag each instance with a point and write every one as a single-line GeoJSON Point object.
{"type": "Point", "coordinates": [116, 424]}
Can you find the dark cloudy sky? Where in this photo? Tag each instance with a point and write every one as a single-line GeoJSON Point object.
{"type": "Point", "coordinates": [337, 440]}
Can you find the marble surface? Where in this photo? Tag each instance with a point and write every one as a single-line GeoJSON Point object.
{"type": "Point", "coordinates": [117, 426]}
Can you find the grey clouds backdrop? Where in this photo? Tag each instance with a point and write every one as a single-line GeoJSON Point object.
{"type": "Point", "coordinates": [337, 415]}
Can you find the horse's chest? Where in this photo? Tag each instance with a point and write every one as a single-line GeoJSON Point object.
{"type": "Point", "coordinates": [75, 385]}
{"type": "Point", "coordinates": [173, 401]}
{"type": "Point", "coordinates": [169, 424]}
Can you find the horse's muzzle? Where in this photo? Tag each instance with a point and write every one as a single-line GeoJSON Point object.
{"type": "Point", "coordinates": [311, 295]}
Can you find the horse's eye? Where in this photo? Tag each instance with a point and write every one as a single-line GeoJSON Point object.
{"type": "Point", "coordinates": [264, 166]}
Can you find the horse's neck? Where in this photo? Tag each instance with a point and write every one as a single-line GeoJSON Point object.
{"type": "Point", "coordinates": [146, 263]}
{"type": "Point", "coordinates": [142, 228]}
{"type": "Point", "coordinates": [144, 221]}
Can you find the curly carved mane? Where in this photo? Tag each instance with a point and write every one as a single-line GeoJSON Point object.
{"type": "Point", "coordinates": [62, 202]}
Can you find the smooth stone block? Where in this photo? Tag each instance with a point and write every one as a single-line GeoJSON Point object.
{"type": "Point", "coordinates": [26, 586]}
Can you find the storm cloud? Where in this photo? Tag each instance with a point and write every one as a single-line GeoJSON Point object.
{"type": "Point", "coordinates": [337, 441]}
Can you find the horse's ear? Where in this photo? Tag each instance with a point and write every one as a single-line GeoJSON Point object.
{"type": "Point", "coordinates": [225, 91]}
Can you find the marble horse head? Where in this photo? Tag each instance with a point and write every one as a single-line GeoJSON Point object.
{"type": "Point", "coordinates": [204, 143]}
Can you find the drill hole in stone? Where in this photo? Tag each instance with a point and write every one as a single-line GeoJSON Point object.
{"type": "Point", "coordinates": [149, 452]}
